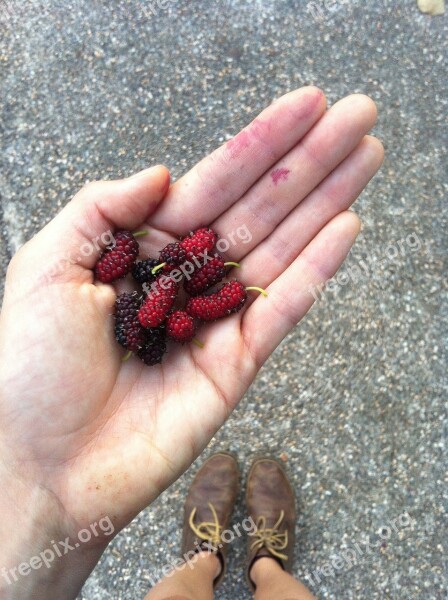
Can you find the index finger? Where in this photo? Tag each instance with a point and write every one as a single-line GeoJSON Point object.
{"type": "Point", "coordinates": [220, 179]}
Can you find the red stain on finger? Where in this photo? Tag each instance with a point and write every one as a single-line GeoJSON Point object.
{"type": "Point", "coordinates": [278, 175]}
{"type": "Point", "coordinates": [261, 130]}
{"type": "Point", "coordinates": [257, 131]}
{"type": "Point", "coordinates": [236, 145]}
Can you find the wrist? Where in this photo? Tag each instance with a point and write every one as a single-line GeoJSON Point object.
{"type": "Point", "coordinates": [41, 556]}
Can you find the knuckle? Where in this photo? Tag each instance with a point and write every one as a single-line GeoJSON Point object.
{"type": "Point", "coordinates": [90, 188]}
{"type": "Point", "coordinates": [18, 257]}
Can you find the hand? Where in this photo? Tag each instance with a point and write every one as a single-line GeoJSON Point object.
{"type": "Point", "coordinates": [90, 436]}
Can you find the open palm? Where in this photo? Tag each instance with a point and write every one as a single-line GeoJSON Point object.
{"type": "Point", "coordinates": [105, 437]}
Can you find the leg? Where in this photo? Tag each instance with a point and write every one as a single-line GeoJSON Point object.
{"type": "Point", "coordinates": [194, 583]}
{"type": "Point", "coordinates": [273, 583]}
{"type": "Point", "coordinates": [207, 512]}
{"type": "Point", "coordinates": [271, 505]}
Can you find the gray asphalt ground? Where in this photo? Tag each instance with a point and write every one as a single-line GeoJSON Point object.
{"type": "Point", "coordinates": [354, 401]}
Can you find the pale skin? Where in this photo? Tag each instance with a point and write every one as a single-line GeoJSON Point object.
{"type": "Point", "coordinates": [196, 583]}
{"type": "Point", "coordinates": [84, 435]}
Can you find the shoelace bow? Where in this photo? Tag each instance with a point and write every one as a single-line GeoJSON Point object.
{"type": "Point", "coordinates": [272, 539]}
{"type": "Point", "coordinates": [208, 531]}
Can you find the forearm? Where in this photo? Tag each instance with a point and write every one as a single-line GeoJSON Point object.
{"type": "Point", "coordinates": [39, 557]}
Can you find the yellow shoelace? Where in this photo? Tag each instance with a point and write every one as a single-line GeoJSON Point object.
{"type": "Point", "coordinates": [272, 539]}
{"type": "Point", "coordinates": [208, 531]}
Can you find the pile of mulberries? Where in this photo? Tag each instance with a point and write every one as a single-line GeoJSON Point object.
{"type": "Point", "coordinates": [146, 319]}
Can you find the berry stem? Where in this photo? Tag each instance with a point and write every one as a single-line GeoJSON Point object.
{"type": "Point", "coordinates": [197, 343]}
{"type": "Point", "coordinates": [232, 264]}
{"type": "Point", "coordinates": [154, 271]}
{"type": "Point", "coordinates": [127, 356]}
{"type": "Point", "coordinates": [258, 289]}
{"type": "Point", "coordinates": [141, 233]}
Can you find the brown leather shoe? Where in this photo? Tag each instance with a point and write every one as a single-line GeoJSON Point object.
{"type": "Point", "coordinates": [271, 504]}
{"type": "Point", "coordinates": [209, 506]}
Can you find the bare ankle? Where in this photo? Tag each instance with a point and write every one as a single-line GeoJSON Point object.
{"type": "Point", "coordinates": [212, 561]}
{"type": "Point", "coordinates": [263, 567]}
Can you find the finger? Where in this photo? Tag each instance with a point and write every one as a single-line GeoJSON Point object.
{"type": "Point", "coordinates": [268, 320]}
{"type": "Point", "coordinates": [219, 180]}
{"type": "Point", "coordinates": [335, 194]}
{"type": "Point", "coordinates": [77, 235]}
{"type": "Point", "coordinates": [278, 192]}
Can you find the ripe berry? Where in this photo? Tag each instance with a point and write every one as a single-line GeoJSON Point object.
{"type": "Point", "coordinates": [211, 273]}
{"type": "Point", "coordinates": [155, 347]}
{"type": "Point", "coordinates": [200, 241]}
{"type": "Point", "coordinates": [128, 330]}
{"type": "Point", "coordinates": [180, 326]}
{"type": "Point", "coordinates": [229, 299]}
{"type": "Point", "coordinates": [117, 259]}
{"type": "Point", "coordinates": [173, 255]}
{"type": "Point", "coordinates": [158, 302]}
{"type": "Point", "coordinates": [142, 271]}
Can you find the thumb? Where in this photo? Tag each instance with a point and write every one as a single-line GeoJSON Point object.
{"type": "Point", "coordinates": [77, 235]}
